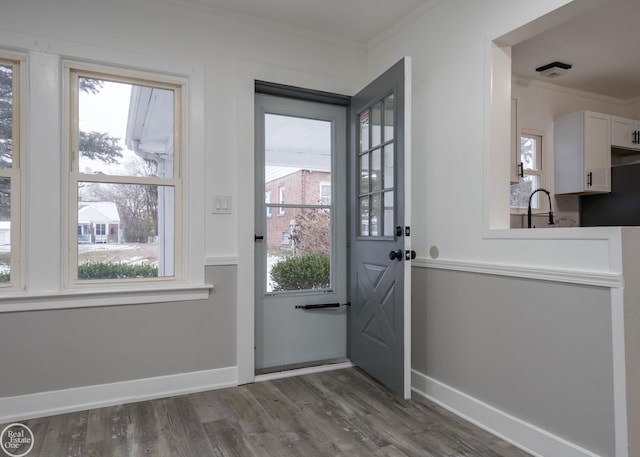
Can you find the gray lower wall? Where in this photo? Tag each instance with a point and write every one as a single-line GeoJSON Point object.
{"type": "Point", "coordinates": [60, 349]}
{"type": "Point", "coordinates": [539, 351]}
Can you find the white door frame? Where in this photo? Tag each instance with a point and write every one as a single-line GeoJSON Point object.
{"type": "Point", "coordinates": [247, 74]}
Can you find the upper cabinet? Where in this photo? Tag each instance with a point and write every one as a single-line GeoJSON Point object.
{"type": "Point", "coordinates": [582, 153]}
{"type": "Point", "coordinates": [625, 133]}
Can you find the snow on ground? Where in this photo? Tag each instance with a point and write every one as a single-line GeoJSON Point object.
{"type": "Point", "coordinates": [131, 253]}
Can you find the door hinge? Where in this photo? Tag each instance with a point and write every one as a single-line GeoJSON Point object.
{"type": "Point", "coordinates": [407, 231]}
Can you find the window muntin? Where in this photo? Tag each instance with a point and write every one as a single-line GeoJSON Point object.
{"type": "Point", "coordinates": [376, 202]}
{"type": "Point", "coordinates": [10, 174]}
{"type": "Point", "coordinates": [531, 158]}
{"type": "Point", "coordinates": [124, 177]}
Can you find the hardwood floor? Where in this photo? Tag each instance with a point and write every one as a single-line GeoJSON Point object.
{"type": "Point", "coordinates": [335, 413]}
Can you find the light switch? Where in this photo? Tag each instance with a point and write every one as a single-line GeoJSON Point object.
{"type": "Point", "coordinates": [221, 204]}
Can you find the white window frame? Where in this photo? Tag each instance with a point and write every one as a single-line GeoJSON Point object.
{"type": "Point", "coordinates": [72, 72]}
{"type": "Point", "coordinates": [18, 64]}
{"type": "Point", "coordinates": [539, 172]}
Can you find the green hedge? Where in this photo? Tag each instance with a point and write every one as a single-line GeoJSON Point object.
{"type": "Point", "coordinates": [114, 270]}
{"type": "Point", "coordinates": [311, 271]}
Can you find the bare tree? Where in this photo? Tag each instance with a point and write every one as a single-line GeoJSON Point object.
{"type": "Point", "coordinates": [312, 232]}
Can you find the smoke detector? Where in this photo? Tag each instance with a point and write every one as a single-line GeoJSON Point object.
{"type": "Point", "coordinates": [553, 69]}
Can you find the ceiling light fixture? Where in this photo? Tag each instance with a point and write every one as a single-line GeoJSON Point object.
{"type": "Point", "coordinates": [553, 69]}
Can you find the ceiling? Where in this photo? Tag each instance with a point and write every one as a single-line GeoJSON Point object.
{"type": "Point", "coordinates": [601, 45]}
{"type": "Point", "coordinates": [353, 20]}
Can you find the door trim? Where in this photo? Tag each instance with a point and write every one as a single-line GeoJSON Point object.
{"type": "Point", "coordinates": [247, 73]}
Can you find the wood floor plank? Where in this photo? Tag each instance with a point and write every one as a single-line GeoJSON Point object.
{"type": "Point", "coordinates": [330, 414]}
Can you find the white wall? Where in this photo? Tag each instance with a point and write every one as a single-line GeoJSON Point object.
{"type": "Point", "coordinates": [451, 107]}
{"type": "Point", "coordinates": [460, 205]}
{"type": "Point", "coordinates": [223, 56]}
{"type": "Point", "coordinates": [196, 36]}
{"type": "Point", "coordinates": [451, 102]}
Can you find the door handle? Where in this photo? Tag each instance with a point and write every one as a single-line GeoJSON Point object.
{"type": "Point", "coordinates": [409, 255]}
{"type": "Point", "coordinates": [396, 255]}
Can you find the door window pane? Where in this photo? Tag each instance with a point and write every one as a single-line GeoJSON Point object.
{"type": "Point", "coordinates": [388, 167]}
{"type": "Point", "coordinates": [377, 174]}
{"type": "Point", "coordinates": [297, 158]}
{"type": "Point", "coordinates": [389, 118]}
{"type": "Point", "coordinates": [364, 173]}
{"type": "Point", "coordinates": [376, 170]}
{"type": "Point", "coordinates": [376, 125]}
{"type": "Point", "coordinates": [389, 206]}
{"type": "Point", "coordinates": [376, 215]}
{"type": "Point", "coordinates": [298, 169]}
{"type": "Point", "coordinates": [299, 253]}
{"type": "Point", "coordinates": [364, 131]}
{"type": "Point", "coordinates": [363, 213]}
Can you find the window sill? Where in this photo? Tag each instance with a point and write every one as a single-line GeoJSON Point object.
{"type": "Point", "coordinates": [83, 298]}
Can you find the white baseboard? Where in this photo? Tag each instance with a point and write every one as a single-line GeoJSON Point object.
{"type": "Point", "coordinates": [527, 437]}
{"type": "Point", "coordinates": [51, 403]}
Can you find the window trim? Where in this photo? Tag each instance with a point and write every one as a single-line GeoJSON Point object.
{"type": "Point", "coordinates": [15, 173]}
{"type": "Point", "coordinates": [73, 70]}
{"type": "Point", "coordinates": [540, 172]}
{"type": "Point", "coordinates": [43, 284]}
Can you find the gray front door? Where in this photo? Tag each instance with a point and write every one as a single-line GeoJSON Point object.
{"type": "Point", "coordinates": [380, 250]}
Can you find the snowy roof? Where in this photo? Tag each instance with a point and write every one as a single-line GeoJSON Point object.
{"type": "Point", "coordinates": [99, 212]}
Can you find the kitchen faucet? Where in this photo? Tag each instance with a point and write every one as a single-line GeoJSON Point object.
{"type": "Point", "coordinates": [529, 208]}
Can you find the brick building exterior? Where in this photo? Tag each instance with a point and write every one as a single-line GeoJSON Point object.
{"type": "Point", "coordinates": [300, 187]}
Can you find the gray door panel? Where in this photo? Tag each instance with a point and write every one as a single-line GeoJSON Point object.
{"type": "Point", "coordinates": [380, 311]}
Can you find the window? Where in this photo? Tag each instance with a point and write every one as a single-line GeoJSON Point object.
{"type": "Point", "coordinates": [325, 193]}
{"type": "Point", "coordinates": [267, 200]}
{"type": "Point", "coordinates": [376, 170]}
{"type": "Point", "coordinates": [281, 200]}
{"type": "Point", "coordinates": [531, 158]}
{"type": "Point", "coordinates": [124, 180]}
{"type": "Point", "coordinates": [9, 172]}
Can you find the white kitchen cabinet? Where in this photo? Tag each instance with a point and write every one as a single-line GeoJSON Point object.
{"type": "Point", "coordinates": [582, 153]}
{"type": "Point", "coordinates": [625, 133]}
